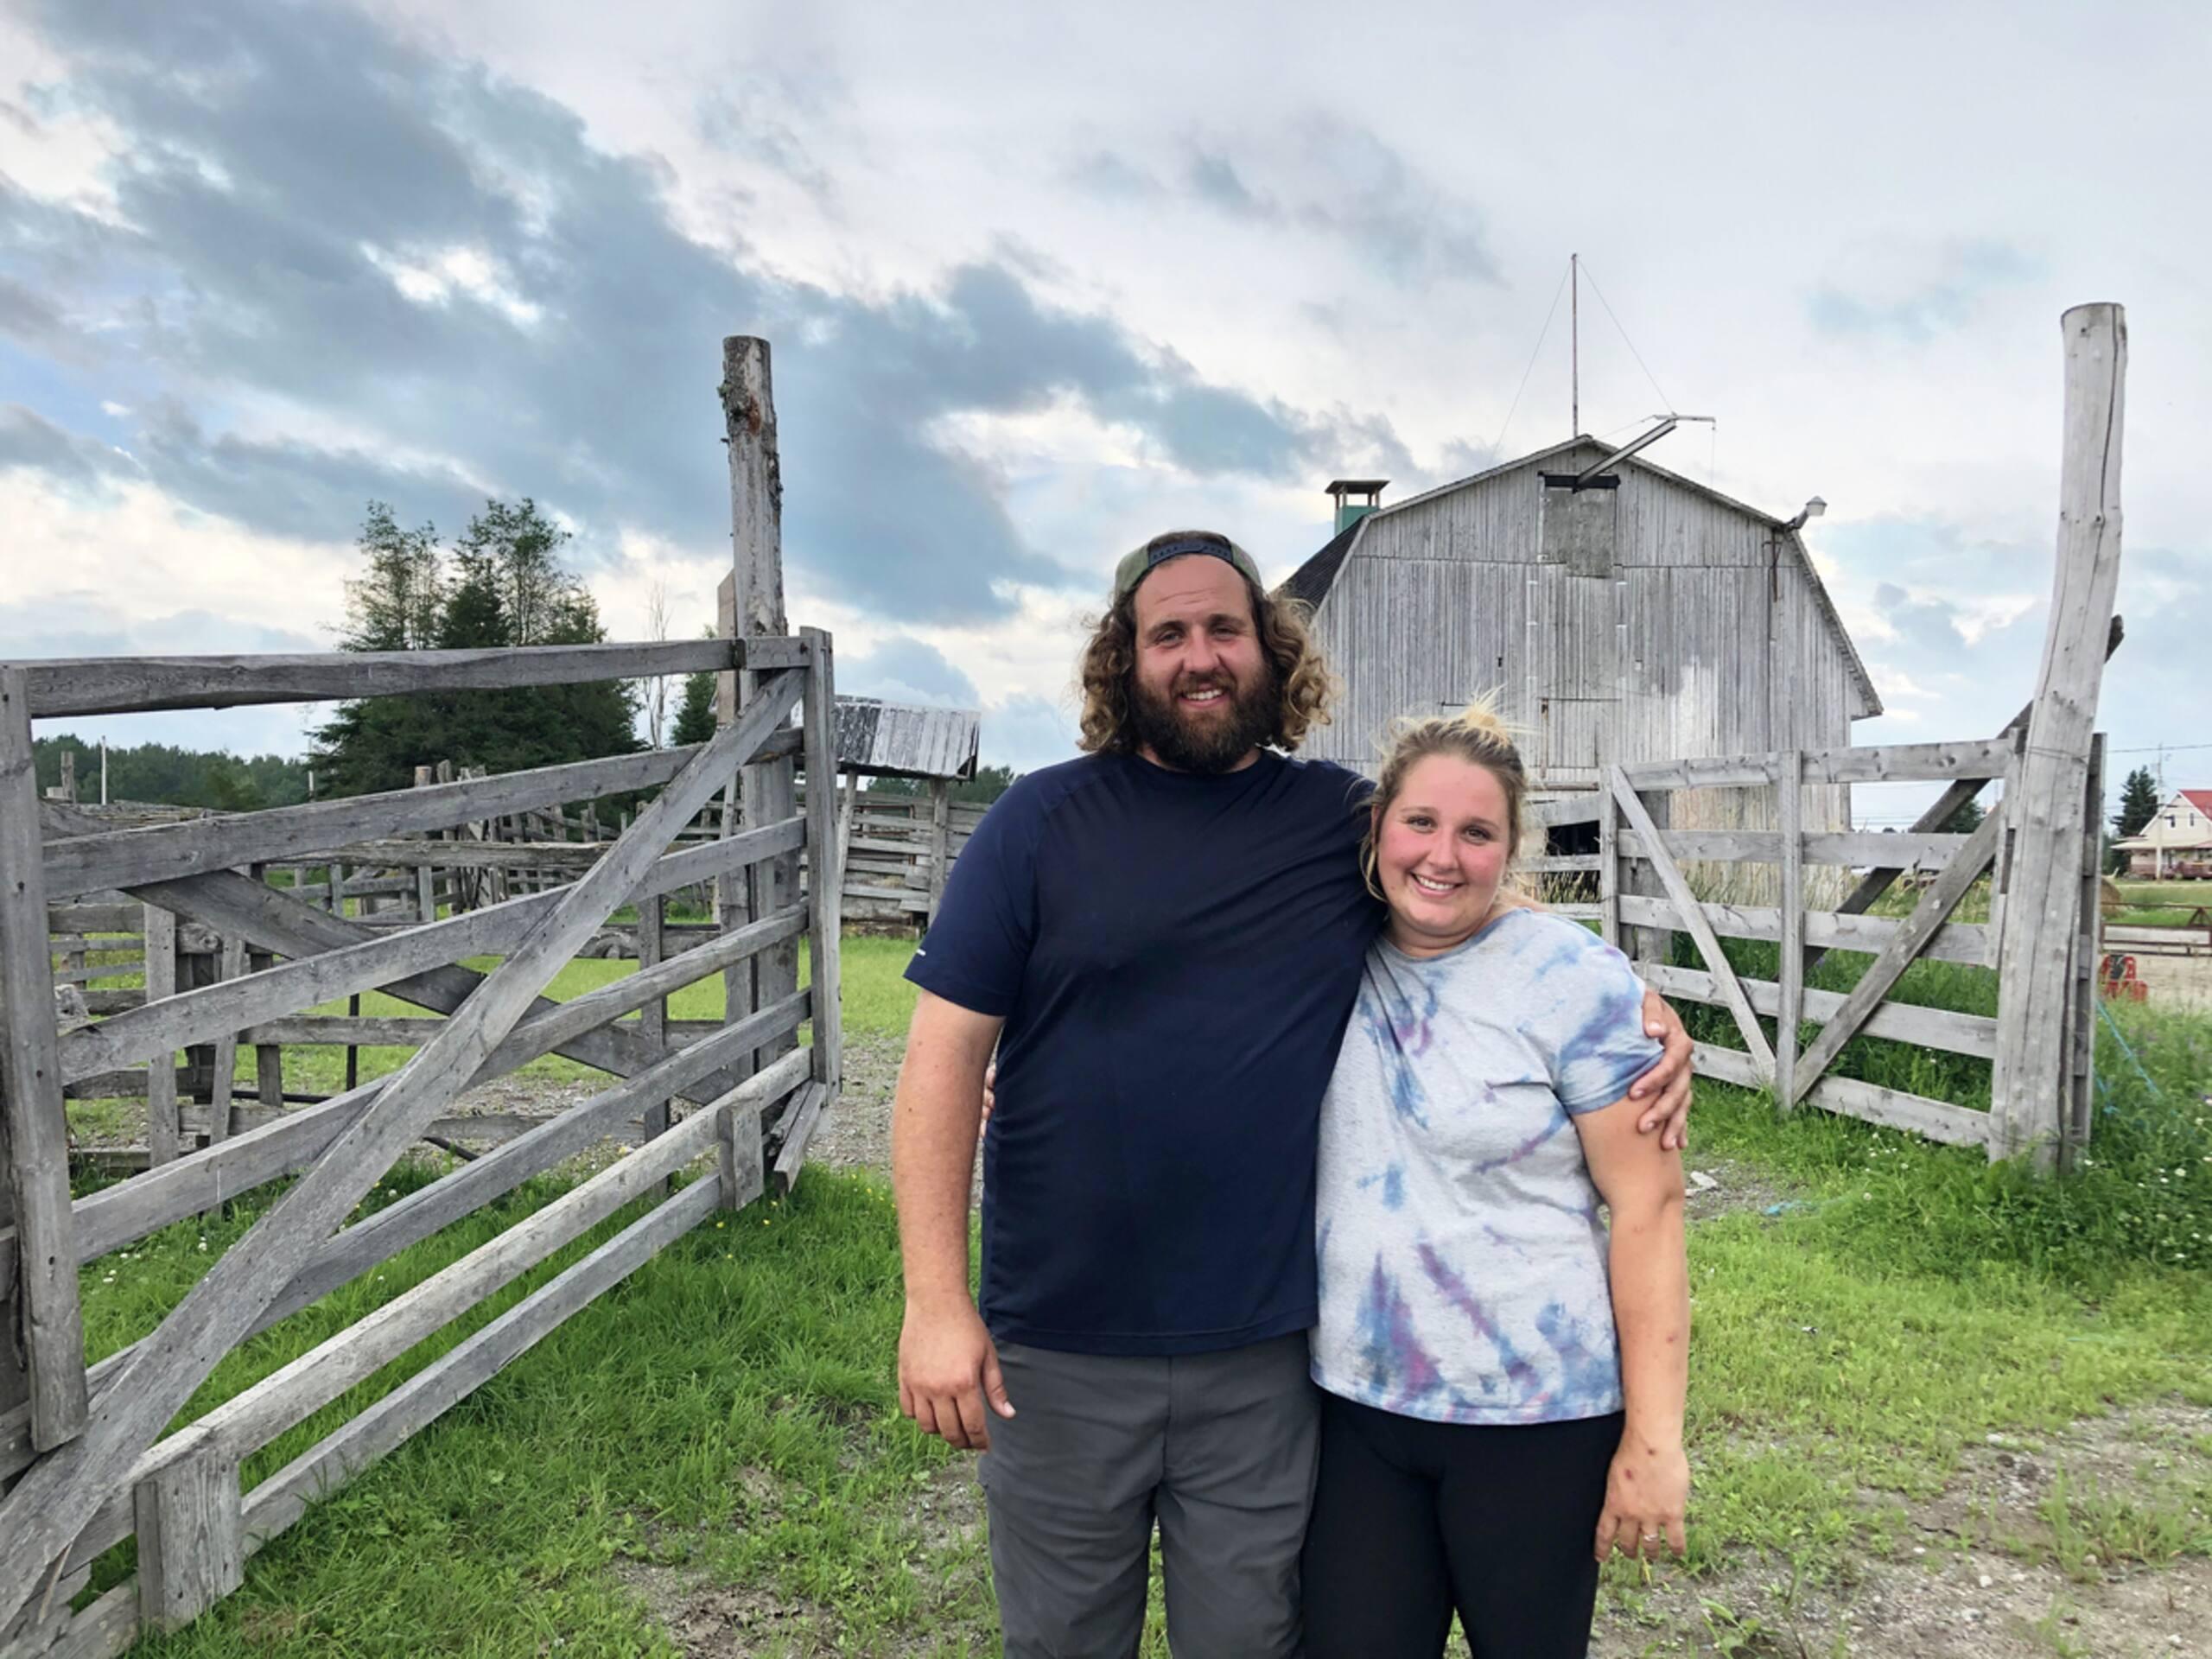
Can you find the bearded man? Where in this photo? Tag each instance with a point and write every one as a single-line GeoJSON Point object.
{"type": "Point", "coordinates": [1163, 940]}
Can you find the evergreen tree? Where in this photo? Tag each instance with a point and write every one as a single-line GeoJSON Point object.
{"type": "Point", "coordinates": [694, 716]}
{"type": "Point", "coordinates": [2139, 803]}
{"type": "Point", "coordinates": [505, 587]}
{"type": "Point", "coordinates": [1967, 819]}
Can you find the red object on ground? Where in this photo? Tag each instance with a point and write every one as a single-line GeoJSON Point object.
{"type": "Point", "coordinates": [2118, 981]}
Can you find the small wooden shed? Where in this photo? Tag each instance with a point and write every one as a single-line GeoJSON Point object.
{"type": "Point", "coordinates": [1626, 614]}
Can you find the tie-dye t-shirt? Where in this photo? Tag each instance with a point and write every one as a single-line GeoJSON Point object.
{"type": "Point", "coordinates": [1463, 1263]}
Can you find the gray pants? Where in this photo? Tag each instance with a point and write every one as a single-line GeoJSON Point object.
{"type": "Point", "coordinates": [1219, 1449]}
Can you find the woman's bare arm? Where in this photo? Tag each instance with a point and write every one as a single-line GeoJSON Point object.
{"type": "Point", "coordinates": [1647, 1492]}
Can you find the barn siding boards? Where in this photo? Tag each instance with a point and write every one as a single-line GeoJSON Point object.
{"type": "Point", "coordinates": [1671, 653]}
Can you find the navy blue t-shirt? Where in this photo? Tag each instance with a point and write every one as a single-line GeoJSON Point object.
{"type": "Point", "coordinates": [1175, 956]}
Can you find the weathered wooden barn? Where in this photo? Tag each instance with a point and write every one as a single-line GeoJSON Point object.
{"type": "Point", "coordinates": [1637, 617]}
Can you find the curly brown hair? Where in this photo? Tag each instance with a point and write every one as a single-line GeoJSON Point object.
{"type": "Point", "coordinates": [1109, 667]}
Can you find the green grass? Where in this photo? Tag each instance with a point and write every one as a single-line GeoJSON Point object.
{"type": "Point", "coordinates": [726, 1420]}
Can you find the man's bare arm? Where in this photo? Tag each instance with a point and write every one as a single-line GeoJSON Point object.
{"type": "Point", "coordinates": [947, 1366]}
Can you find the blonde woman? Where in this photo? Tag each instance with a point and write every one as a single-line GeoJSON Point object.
{"type": "Point", "coordinates": [1502, 1378]}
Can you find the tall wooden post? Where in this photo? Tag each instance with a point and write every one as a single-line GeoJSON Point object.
{"type": "Point", "coordinates": [826, 860]}
{"type": "Point", "coordinates": [2082, 1011]}
{"type": "Point", "coordinates": [268, 1058]}
{"type": "Point", "coordinates": [940, 840]}
{"type": "Point", "coordinates": [33, 1129]}
{"type": "Point", "coordinates": [1789, 808]}
{"type": "Point", "coordinates": [2029, 1085]}
{"type": "Point", "coordinates": [753, 606]}
{"type": "Point", "coordinates": [160, 928]}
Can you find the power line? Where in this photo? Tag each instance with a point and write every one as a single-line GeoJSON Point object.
{"type": "Point", "coordinates": [1626, 341]}
{"type": "Point", "coordinates": [2160, 748]}
{"type": "Point", "coordinates": [1497, 449]}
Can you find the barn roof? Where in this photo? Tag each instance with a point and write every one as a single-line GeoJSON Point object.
{"type": "Point", "coordinates": [897, 739]}
{"type": "Point", "coordinates": [1311, 580]}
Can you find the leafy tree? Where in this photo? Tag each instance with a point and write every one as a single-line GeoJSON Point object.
{"type": "Point", "coordinates": [396, 606]}
{"type": "Point", "coordinates": [2139, 803]}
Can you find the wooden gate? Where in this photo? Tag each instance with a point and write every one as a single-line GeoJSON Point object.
{"type": "Point", "coordinates": [85, 1448]}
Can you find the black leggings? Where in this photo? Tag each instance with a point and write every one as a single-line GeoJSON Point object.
{"type": "Point", "coordinates": [1413, 1520]}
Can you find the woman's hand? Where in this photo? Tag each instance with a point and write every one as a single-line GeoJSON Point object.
{"type": "Point", "coordinates": [1646, 1495]}
{"type": "Point", "coordinates": [1663, 1094]}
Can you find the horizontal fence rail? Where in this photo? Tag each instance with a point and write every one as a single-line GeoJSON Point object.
{"type": "Point", "coordinates": [120, 685]}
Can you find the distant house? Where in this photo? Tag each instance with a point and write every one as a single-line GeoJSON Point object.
{"type": "Point", "coordinates": [1623, 613]}
{"type": "Point", "coordinates": [2176, 842]}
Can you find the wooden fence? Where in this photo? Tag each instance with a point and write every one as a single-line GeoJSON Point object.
{"type": "Point", "coordinates": [1648, 890]}
{"type": "Point", "coordinates": [86, 1452]}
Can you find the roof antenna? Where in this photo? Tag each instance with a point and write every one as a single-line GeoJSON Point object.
{"type": "Point", "coordinates": [1574, 346]}
{"type": "Point", "coordinates": [1666, 424]}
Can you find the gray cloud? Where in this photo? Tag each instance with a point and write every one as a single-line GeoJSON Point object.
{"type": "Point", "coordinates": [29, 440]}
{"type": "Point", "coordinates": [1946, 301]}
{"type": "Point", "coordinates": [763, 119]}
{"type": "Point", "coordinates": [1025, 733]}
{"type": "Point", "coordinates": [1108, 176]}
{"type": "Point", "coordinates": [1335, 180]}
{"type": "Point", "coordinates": [283, 162]}
{"type": "Point", "coordinates": [1213, 179]}
{"type": "Point", "coordinates": [906, 669]}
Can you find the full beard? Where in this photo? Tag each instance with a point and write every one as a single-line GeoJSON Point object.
{"type": "Point", "coordinates": [1208, 745]}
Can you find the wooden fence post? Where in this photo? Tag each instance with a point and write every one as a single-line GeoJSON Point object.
{"type": "Point", "coordinates": [161, 1132]}
{"type": "Point", "coordinates": [1789, 818]}
{"type": "Point", "coordinates": [191, 1524]}
{"type": "Point", "coordinates": [34, 1126]}
{"type": "Point", "coordinates": [767, 792]}
{"type": "Point", "coordinates": [1650, 944]}
{"type": "Point", "coordinates": [231, 964]}
{"type": "Point", "coordinates": [268, 1058]}
{"type": "Point", "coordinates": [652, 1019]}
{"type": "Point", "coordinates": [825, 858]}
{"type": "Point", "coordinates": [940, 842]}
{"type": "Point", "coordinates": [1609, 865]}
{"type": "Point", "coordinates": [2029, 1081]}
{"type": "Point", "coordinates": [2081, 1013]}
{"type": "Point", "coordinates": [426, 878]}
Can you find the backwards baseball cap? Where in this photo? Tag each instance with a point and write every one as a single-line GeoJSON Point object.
{"type": "Point", "coordinates": [1176, 545]}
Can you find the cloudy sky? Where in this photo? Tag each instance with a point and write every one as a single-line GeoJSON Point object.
{"type": "Point", "coordinates": [1042, 281]}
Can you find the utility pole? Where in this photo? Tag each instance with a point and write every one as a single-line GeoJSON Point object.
{"type": "Point", "coordinates": [1574, 344]}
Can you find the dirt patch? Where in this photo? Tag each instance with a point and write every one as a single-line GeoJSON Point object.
{"type": "Point", "coordinates": [1721, 1187]}
{"type": "Point", "coordinates": [856, 1133]}
{"type": "Point", "coordinates": [709, 1621]}
{"type": "Point", "coordinates": [1997, 1566]}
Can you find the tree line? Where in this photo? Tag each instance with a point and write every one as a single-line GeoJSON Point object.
{"type": "Point", "coordinates": [164, 774]}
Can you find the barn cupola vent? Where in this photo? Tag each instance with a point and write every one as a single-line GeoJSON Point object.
{"type": "Point", "coordinates": [1349, 511]}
